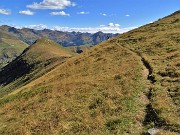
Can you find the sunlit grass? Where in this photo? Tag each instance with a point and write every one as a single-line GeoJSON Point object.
{"type": "Point", "coordinates": [102, 91]}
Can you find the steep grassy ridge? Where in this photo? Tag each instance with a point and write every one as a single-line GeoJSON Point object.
{"type": "Point", "coordinates": [98, 92]}
{"type": "Point", "coordinates": [36, 60]}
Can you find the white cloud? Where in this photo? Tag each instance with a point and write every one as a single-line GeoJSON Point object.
{"type": "Point", "coordinates": [110, 28]}
{"type": "Point", "coordinates": [111, 24]}
{"type": "Point", "coordinates": [114, 25]}
{"type": "Point", "coordinates": [102, 25]}
{"type": "Point", "coordinates": [51, 4]}
{"type": "Point", "coordinates": [103, 14]}
{"type": "Point", "coordinates": [16, 26]}
{"type": "Point", "coordinates": [117, 25]}
{"type": "Point", "coordinates": [127, 15]}
{"type": "Point", "coordinates": [26, 12]}
{"type": "Point", "coordinates": [5, 11]}
{"type": "Point", "coordinates": [37, 27]}
{"type": "Point", "coordinates": [83, 13]}
{"type": "Point", "coordinates": [62, 13]}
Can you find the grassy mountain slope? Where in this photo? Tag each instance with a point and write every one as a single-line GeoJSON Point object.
{"type": "Point", "coordinates": [103, 91]}
{"type": "Point", "coordinates": [159, 44]}
{"type": "Point", "coordinates": [36, 60]}
{"type": "Point", "coordinates": [10, 47]}
{"type": "Point", "coordinates": [98, 92]}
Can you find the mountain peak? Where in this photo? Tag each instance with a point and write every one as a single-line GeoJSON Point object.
{"type": "Point", "coordinates": [44, 41]}
{"type": "Point", "coordinates": [47, 48]}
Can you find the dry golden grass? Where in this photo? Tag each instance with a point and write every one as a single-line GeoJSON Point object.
{"type": "Point", "coordinates": [102, 91]}
{"type": "Point", "coordinates": [98, 92]}
{"type": "Point", "coordinates": [159, 44]}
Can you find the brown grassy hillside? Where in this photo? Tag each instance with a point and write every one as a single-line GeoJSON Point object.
{"type": "Point", "coordinates": [79, 49]}
{"type": "Point", "coordinates": [159, 44]}
{"type": "Point", "coordinates": [103, 91]}
{"type": "Point", "coordinates": [98, 92]}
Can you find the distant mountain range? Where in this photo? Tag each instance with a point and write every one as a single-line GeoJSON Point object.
{"type": "Point", "coordinates": [13, 41]}
{"type": "Point", "coordinates": [29, 36]}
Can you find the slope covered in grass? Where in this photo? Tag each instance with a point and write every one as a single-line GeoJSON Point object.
{"type": "Point", "coordinates": [159, 44]}
{"type": "Point", "coordinates": [10, 47]}
{"type": "Point", "coordinates": [103, 91]}
{"type": "Point", "coordinates": [36, 60]}
{"type": "Point", "coordinates": [79, 49]}
{"type": "Point", "coordinates": [98, 92]}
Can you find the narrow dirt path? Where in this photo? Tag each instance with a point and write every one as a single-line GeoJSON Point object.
{"type": "Point", "coordinates": [150, 116]}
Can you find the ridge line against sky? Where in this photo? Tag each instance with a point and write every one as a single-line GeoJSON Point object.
{"type": "Point", "coordinates": [109, 16]}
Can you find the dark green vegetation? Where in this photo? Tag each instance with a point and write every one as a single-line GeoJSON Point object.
{"type": "Point", "coordinates": [10, 47]}
{"type": "Point", "coordinates": [106, 90]}
{"type": "Point", "coordinates": [63, 38]}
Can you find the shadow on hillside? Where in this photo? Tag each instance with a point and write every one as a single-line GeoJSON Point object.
{"type": "Point", "coordinates": [14, 70]}
{"type": "Point", "coordinates": [150, 76]}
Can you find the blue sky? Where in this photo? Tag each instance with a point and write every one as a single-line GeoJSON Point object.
{"type": "Point", "coordinates": [114, 16]}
